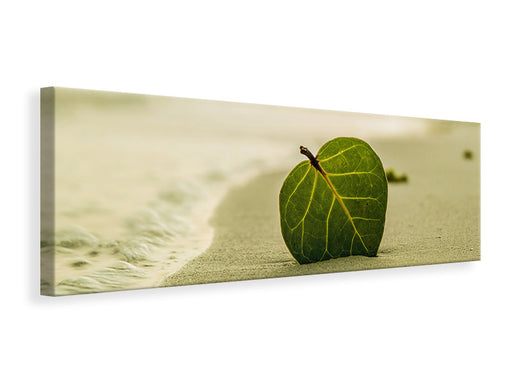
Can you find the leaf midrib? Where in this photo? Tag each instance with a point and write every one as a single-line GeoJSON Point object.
{"type": "Point", "coordinates": [340, 200]}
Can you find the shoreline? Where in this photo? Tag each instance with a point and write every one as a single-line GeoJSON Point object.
{"type": "Point", "coordinates": [433, 218]}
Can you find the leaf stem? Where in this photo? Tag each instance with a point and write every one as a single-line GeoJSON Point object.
{"type": "Point", "coordinates": [312, 159]}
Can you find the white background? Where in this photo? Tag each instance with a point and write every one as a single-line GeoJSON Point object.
{"type": "Point", "coordinates": [436, 324]}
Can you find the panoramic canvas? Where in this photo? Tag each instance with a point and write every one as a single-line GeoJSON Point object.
{"type": "Point", "coordinates": [143, 191]}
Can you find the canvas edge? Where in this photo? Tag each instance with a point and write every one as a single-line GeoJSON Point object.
{"type": "Point", "coordinates": [47, 116]}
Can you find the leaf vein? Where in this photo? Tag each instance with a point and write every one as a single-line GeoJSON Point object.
{"type": "Point", "coordinates": [327, 227]}
{"type": "Point", "coordinates": [310, 200]}
{"type": "Point", "coordinates": [340, 152]}
{"type": "Point", "coordinates": [340, 199]}
{"type": "Point", "coordinates": [297, 186]}
{"type": "Point", "coordinates": [352, 242]}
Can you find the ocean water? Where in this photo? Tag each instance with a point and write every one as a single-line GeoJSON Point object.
{"type": "Point", "coordinates": [137, 178]}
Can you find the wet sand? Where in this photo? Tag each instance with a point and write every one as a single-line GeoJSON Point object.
{"type": "Point", "coordinates": [433, 218]}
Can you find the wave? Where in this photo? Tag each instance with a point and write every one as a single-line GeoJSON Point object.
{"type": "Point", "coordinates": [158, 238]}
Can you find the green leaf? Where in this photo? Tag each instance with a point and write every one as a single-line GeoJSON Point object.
{"type": "Point", "coordinates": [334, 204]}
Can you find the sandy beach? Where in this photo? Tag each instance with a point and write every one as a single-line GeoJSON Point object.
{"type": "Point", "coordinates": [145, 191]}
{"type": "Point", "coordinates": [433, 218]}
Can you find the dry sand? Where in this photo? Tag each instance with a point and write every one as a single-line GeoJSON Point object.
{"type": "Point", "coordinates": [433, 218]}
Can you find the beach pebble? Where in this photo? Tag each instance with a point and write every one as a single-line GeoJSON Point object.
{"type": "Point", "coordinates": [79, 263]}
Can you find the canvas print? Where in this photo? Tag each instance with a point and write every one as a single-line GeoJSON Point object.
{"type": "Point", "coordinates": [142, 191]}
